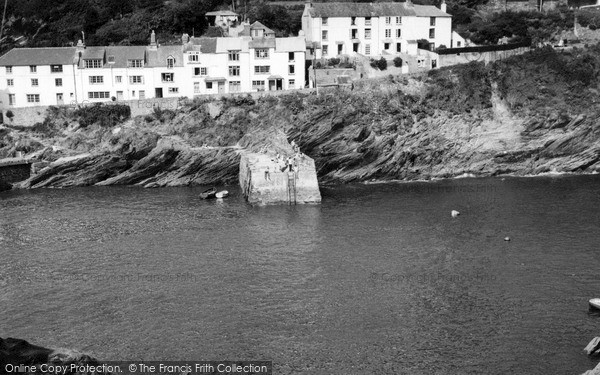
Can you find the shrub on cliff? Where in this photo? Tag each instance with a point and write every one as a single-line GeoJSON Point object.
{"type": "Point", "coordinates": [380, 64]}
{"type": "Point", "coordinates": [104, 115]}
{"type": "Point", "coordinates": [397, 62]}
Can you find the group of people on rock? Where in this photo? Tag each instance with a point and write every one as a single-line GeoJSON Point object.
{"type": "Point", "coordinates": [289, 163]}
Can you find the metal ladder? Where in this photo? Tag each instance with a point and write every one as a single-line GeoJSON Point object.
{"type": "Point", "coordinates": [292, 195]}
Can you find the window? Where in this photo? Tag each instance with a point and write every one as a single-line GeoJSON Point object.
{"type": "Point", "coordinates": [388, 20]}
{"type": "Point", "coordinates": [354, 34]}
{"type": "Point", "coordinates": [32, 68]}
{"type": "Point", "coordinates": [58, 82]}
{"type": "Point", "coordinates": [9, 70]}
{"type": "Point", "coordinates": [167, 77]}
{"type": "Point", "coordinates": [398, 20]}
{"type": "Point", "coordinates": [173, 90]}
{"type": "Point", "coordinates": [258, 85]}
{"type": "Point", "coordinates": [367, 21]}
{"type": "Point", "coordinates": [367, 49]}
{"type": "Point", "coordinates": [367, 33]}
{"type": "Point", "coordinates": [34, 82]}
{"type": "Point", "coordinates": [170, 62]}
{"type": "Point", "coordinates": [118, 79]}
{"type": "Point", "coordinates": [388, 33]}
{"type": "Point", "coordinates": [208, 85]}
{"type": "Point", "coordinates": [234, 86]}
{"type": "Point", "coordinates": [386, 46]}
{"type": "Point", "coordinates": [261, 53]}
{"type": "Point", "coordinates": [98, 95]}
{"type": "Point", "coordinates": [200, 71]}
{"type": "Point", "coordinates": [111, 59]}
{"type": "Point", "coordinates": [136, 63]}
{"type": "Point", "coordinates": [325, 21]}
{"type": "Point", "coordinates": [292, 69]}
{"type": "Point", "coordinates": [94, 80]}
{"type": "Point", "coordinates": [458, 44]}
{"type": "Point", "coordinates": [291, 56]}
{"type": "Point", "coordinates": [135, 80]}
{"type": "Point", "coordinates": [10, 82]}
{"type": "Point", "coordinates": [353, 21]}
{"type": "Point", "coordinates": [33, 98]}
{"type": "Point", "coordinates": [431, 21]}
{"type": "Point", "coordinates": [196, 87]}
{"type": "Point", "coordinates": [133, 93]}
{"type": "Point", "coordinates": [325, 49]}
{"type": "Point", "coordinates": [398, 33]}
{"type": "Point", "coordinates": [142, 94]}
{"type": "Point", "coordinates": [93, 63]}
{"type": "Point", "coordinates": [324, 34]}
{"type": "Point", "coordinates": [292, 84]}
{"type": "Point", "coordinates": [234, 55]}
{"type": "Point", "coordinates": [234, 71]}
{"type": "Point", "coordinates": [431, 33]}
{"type": "Point", "coordinates": [262, 69]}
{"type": "Point", "coordinates": [56, 68]}
{"type": "Point", "coordinates": [11, 99]}
{"type": "Point", "coordinates": [193, 57]}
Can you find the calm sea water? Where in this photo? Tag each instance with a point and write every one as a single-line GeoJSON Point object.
{"type": "Point", "coordinates": [379, 279]}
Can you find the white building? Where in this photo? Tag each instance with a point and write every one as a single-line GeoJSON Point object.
{"type": "Point", "coordinates": [59, 76]}
{"type": "Point", "coordinates": [373, 29]}
{"type": "Point", "coordinates": [222, 18]}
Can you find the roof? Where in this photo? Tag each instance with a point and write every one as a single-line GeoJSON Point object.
{"type": "Point", "coordinates": [124, 53]}
{"type": "Point", "coordinates": [222, 13]}
{"type": "Point", "coordinates": [39, 56]}
{"type": "Point", "coordinates": [158, 58]}
{"type": "Point", "coordinates": [258, 26]}
{"type": "Point", "coordinates": [374, 10]}
{"type": "Point", "coordinates": [93, 53]}
{"type": "Point", "coordinates": [206, 45]}
{"type": "Point", "coordinates": [262, 43]}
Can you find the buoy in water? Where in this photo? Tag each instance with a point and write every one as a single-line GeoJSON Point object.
{"type": "Point", "coordinates": [454, 213]}
{"type": "Point", "coordinates": [506, 238]}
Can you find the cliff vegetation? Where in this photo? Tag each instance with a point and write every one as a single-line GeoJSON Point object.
{"type": "Point", "coordinates": [530, 114]}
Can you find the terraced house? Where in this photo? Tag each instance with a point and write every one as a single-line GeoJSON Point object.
{"type": "Point", "coordinates": [373, 29]}
{"type": "Point", "coordinates": [80, 74]}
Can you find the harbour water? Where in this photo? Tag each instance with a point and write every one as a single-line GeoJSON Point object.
{"type": "Point", "coordinates": [378, 279]}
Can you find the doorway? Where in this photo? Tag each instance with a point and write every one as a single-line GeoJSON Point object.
{"type": "Point", "coordinates": [158, 92]}
{"type": "Point", "coordinates": [59, 99]}
{"type": "Point", "coordinates": [221, 86]}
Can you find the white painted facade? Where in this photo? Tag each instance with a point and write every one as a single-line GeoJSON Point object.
{"type": "Point", "coordinates": [373, 29]}
{"type": "Point", "coordinates": [197, 67]}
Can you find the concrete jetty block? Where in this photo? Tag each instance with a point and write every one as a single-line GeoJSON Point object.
{"type": "Point", "coordinates": [277, 186]}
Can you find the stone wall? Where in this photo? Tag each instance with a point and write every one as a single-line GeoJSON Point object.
{"type": "Point", "coordinates": [487, 57]}
{"type": "Point", "coordinates": [274, 188]}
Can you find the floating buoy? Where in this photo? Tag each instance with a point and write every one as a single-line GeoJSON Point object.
{"type": "Point", "coordinates": [454, 213]}
{"type": "Point", "coordinates": [506, 238]}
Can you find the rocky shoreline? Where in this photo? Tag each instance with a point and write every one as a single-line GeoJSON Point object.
{"type": "Point", "coordinates": [521, 117]}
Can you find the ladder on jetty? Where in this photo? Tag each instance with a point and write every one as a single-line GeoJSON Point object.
{"type": "Point", "coordinates": [292, 195]}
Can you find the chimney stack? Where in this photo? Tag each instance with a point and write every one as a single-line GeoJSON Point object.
{"type": "Point", "coordinates": [308, 3]}
{"type": "Point", "coordinates": [153, 45]}
{"type": "Point", "coordinates": [409, 3]}
{"type": "Point", "coordinates": [185, 38]}
{"type": "Point", "coordinates": [443, 6]}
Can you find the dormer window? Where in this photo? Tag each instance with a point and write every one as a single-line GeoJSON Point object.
{"type": "Point", "coordinates": [193, 57]}
{"type": "Point", "coordinates": [93, 63]}
{"type": "Point", "coordinates": [170, 62]}
{"type": "Point", "coordinates": [111, 59]}
{"type": "Point", "coordinates": [56, 68]}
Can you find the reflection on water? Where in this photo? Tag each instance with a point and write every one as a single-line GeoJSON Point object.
{"type": "Point", "coordinates": [377, 279]}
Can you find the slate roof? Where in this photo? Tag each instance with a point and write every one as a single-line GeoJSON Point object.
{"type": "Point", "coordinates": [207, 45]}
{"type": "Point", "coordinates": [374, 10]}
{"type": "Point", "coordinates": [39, 56]}
{"type": "Point", "coordinates": [124, 53]}
{"type": "Point", "coordinates": [224, 13]}
{"type": "Point", "coordinates": [158, 58]}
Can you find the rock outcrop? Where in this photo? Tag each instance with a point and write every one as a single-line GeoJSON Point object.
{"type": "Point", "coordinates": [17, 352]}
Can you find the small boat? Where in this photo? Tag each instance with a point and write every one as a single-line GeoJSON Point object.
{"type": "Point", "coordinates": [595, 303]}
{"type": "Point", "coordinates": [208, 194]}
{"type": "Point", "coordinates": [222, 194]}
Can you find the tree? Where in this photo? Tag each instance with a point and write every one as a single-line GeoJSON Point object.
{"type": "Point", "coordinates": [397, 62]}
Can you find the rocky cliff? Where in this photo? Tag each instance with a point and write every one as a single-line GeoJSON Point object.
{"type": "Point", "coordinates": [526, 115]}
